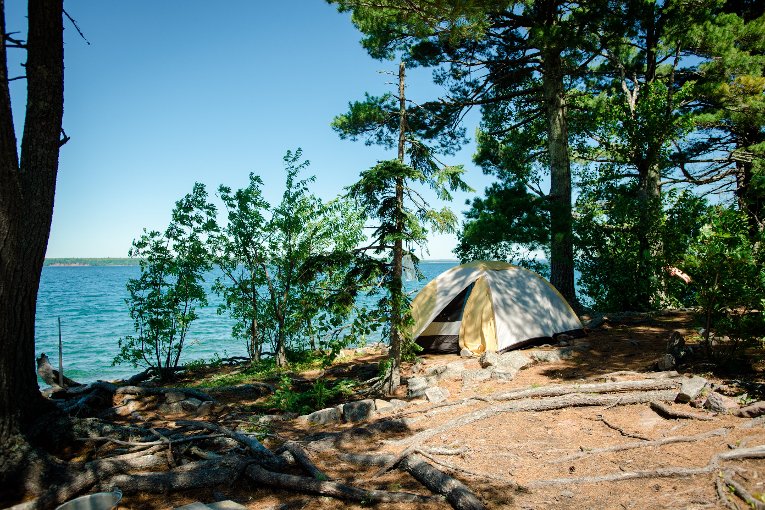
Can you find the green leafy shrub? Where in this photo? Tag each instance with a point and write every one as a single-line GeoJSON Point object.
{"type": "Point", "coordinates": [318, 396]}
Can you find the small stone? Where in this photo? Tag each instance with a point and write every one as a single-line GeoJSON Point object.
{"type": "Point", "coordinates": [566, 494]}
{"type": "Point", "coordinates": [466, 353]}
{"type": "Point", "coordinates": [361, 410]}
{"type": "Point", "coordinates": [382, 406]}
{"type": "Point", "coordinates": [691, 388]}
{"type": "Point", "coordinates": [514, 359]}
{"type": "Point", "coordinates": [174, 408]}
{"type": "Point", "coordinates": [323, 416]}
{"type": "Point", "coordinates": [172, 397]}
{"type": "Point", "coordinates": [720, 403]}
{"type": "Point", "coordinates": [666, 362]}
{"type": "Point", "coordinates": [552, 356]}
{"type": "Point", "coordinates": [435, 395]}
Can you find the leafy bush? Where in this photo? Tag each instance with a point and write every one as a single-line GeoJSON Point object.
{"type": "Point", "coordinates": [729, 282]}
{"type": "Point", "coordinates": [318, 396]}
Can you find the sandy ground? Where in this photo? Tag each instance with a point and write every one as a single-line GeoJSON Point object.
{"type": "Point", "coordinates": [529, 460]}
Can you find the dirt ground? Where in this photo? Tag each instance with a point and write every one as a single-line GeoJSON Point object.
{"type": "Point", "coordinates": [531, 460]}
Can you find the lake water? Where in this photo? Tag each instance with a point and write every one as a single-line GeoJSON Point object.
{"type": "Point", "coordinates": [90, 300]}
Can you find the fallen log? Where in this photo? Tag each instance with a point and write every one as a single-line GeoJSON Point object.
{"type": "Point", "coordinates": [329, 488]}
{"type": "Point", "coordinates": [609, 387]}
{"type": "Point", "coordinates": [302, 458]}
{"type": "Point", "coordinates": [142, 390]}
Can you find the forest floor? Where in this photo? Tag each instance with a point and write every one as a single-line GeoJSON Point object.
{"type": "Point", "coordinates": [577, 456]}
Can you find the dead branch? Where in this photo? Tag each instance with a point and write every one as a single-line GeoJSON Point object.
{"type": "Point", "coordinates": [643, 444]}
{"type": "Point", "coordinates": [741, 491]}
{"type": "Point", "coordinates": [456, 469]}
{"type": "Point", "coordinates": [669, 412]}
{"type": "Point", "coordinates": [328, 488]}
{"type": "Point", "coordinates": [542, 404]}
{"type": "Point", "coordinates": [722, 494]}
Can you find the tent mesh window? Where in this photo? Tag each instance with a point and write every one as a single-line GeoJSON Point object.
{"type": "Point", "coordinates": [442, 335]}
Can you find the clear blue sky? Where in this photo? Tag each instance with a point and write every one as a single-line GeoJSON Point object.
{"type": "Point", "coordinates": [176, 91]}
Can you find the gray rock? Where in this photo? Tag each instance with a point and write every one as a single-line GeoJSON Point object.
{"type": "Point", "coordinates": [454, 370]}
{"type": "Point", "coordinates": [361, 410]}
{"type": "Point", "coordinates": [191, 404]}
{"type": "Point", "coordinates": [416, 386]}
{"type": "Point", "coordinates": [128, 408]}
{"type": "Point", "coordinates": [514, 359]}
{"type": "Point", "coordinates": [205, 408]}
{"type": "Point", "coordinates": [226, 505]}
{"type": "Point", "coordinates": [474, 376]}
{"type": "Point", "coordinates": [504, 373]}
{"type": "Point", "coordinates": [720, 403]}
{"type": "Point", "coordinates": [382, 406]}
{"type": "Point", "coordinates": [466, 353]}
{"type": "Point", "coordinates": [691, 388]}
{"type": "Point", "coordinates": [666, 362]}
{"type": "Point", "coordinates": [398, 404]}
{"type": "Point", "coordinates": [436, 394]}
{"type": "Point", "coordinates": [552, 356]}
{"type": "Point", "coordinates": [581, 345]}
{"type": "Point", "coordinates": [172, 397]}
{"type": "Point", "coordinates": [323, 416]}
{"type": "Point", "coordinates": [174, 408]}
{"type": "Point", "coordinates": [489, 359]}
{"type": "Point", "coordinates": [566, 494]}
{"type": "Point", "coordinates": [435, 371]}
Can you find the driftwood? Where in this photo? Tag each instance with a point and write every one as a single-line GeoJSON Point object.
{"type": "Point", "coordinates": [672, 413]}
{"type": "Point", "coordinates": [50, 375]}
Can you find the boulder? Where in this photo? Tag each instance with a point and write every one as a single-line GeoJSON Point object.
{"type": "Point", "coordinates": [174, 408]}
{"type": "Point", "coordinates": [514, 359]}
{"type": "Point", "coordinates": [691, 388]}
{"type": "Point", "coordinates": [436, 371]}
{"type": "Point", "coordinates": [360, 410]}
{"type": "Point", "coordinates": [551, 356]}
{"type": "Point", "coordinates": [205, 408]}
{"type": "Point", "coordinates": [191, 404]}
{"type": "Point", "coordinates": [436, 394]}
{"type": "Point", "coordinates": [128, 408]}
{"type": "Point", "coordinates": [489, 359]}
{"type": "Point", "coordinates": [720, 403]}
{"type": "Point", "coordinates": [323, 416]}
{"type": "Point", "coordinates": [397, 403]}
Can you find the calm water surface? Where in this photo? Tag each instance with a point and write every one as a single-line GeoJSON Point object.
{"type": "Point", "coordinates": [90, 300]}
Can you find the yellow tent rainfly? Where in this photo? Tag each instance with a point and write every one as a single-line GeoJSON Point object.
{"type": "Point", "coordinates": [489, 306]}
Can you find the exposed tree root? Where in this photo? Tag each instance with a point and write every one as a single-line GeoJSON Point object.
{"type": "Point", "coordinates": [643, 444]}
{"type": "Point", "coordinates": [542, 404]}
{"type": "Point", "coordinates": [621, 430]}
{"type": "Point", "coordinates": [757, 452]}
{"type": "Point", "coordinates": [672, 413]}
{"type": "Point", "coordinates": [329, 488]}
{"type": "Point", "coordinates": [456, 493]}
{"type": "Point", "coordinates": [741, 491]}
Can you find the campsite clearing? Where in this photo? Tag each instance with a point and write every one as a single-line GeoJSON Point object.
{"type": "Point", "coordinates": [578, 432]}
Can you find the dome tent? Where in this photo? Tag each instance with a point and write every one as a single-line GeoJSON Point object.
{"type": "Point", "coordinates": [489, 306]}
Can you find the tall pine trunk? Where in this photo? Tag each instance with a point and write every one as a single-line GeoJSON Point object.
{"type": "Point", "coordinates": [27, 190]}
{"type": "Point", "coordinates": [561, 224]}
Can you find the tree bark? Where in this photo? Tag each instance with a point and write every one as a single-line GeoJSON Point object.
{"type": "Point", "coordinates": [561, 219]}
{"type": "Point", "coordinates": [27, 190]}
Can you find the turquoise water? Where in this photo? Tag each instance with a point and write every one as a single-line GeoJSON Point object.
{"type": "Point", "coordinates": [90, 300]}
